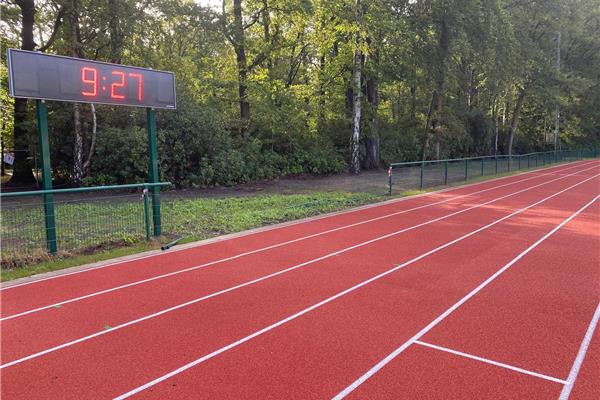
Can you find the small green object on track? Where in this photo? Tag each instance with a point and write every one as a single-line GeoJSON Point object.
{"type": "Point", "coordinates": [170, 244]}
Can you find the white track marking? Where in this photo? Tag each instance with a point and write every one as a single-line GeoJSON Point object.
{"type": "Point", "coordinates": [566, 392]}
{"type": "Point", "coordinates": [329, 215]}
{"type": "Point", "coordinates": [113, 289]}
{"type": "Point", "coordinates": [368, 281]}
{"type": "Point", "coordinates": [492, 362]}
{"type": "Point", "coordinates": [215, 294]}
{"type": "Point", "coordinates": [450, 310]}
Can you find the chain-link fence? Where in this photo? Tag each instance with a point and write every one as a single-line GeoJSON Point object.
{"type": "Point", "coordinates": [423, 174]}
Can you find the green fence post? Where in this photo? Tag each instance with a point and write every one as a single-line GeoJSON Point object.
{"type": "Point", "coordinates": [528, 161]}
{"type": "Point", "coordinates": [42, 121]}
{"type": "Point", "coordinates": [509, 161]}
{"type": "Point", "coordinates": [466, 169]}
{"type": "Point", "coordinates": [147, 211]}
{"type": "Point", "coordinates": [153, 169]}
{"type": "Point", "coordinates": [482, 159]}
{"type": "Point", "coordinates": [445, 172]}
{"type": "Point", "coordinates": [496, 158]}
{"type": "Point", "coordinates": [390, 179]}
{"type": "Point", "coordinates": [519, 158]}
{"type": "Point", "coordinates": [421, 179]}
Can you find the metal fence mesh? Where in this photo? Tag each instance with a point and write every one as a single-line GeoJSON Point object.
{"type": "Point", "coordinates": [87, 222]}
{"type": "Point", "coordinates": [84, 222]}
{"type": "Point", "coordinates": [419, 175]}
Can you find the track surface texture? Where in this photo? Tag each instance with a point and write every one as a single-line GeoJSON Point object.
{"type": "Point", "coordinates": [486, 291]}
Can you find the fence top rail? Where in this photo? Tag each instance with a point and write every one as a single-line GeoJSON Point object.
{"type": "Point", "coordinates": [401, 164]}
{"type": "Point", "coordinates": [83, 189]}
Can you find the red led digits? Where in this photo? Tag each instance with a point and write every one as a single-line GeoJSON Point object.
{"type": "Point", "coordinates": [116, 85]}
{"type": "Point", "coordinates": [85, 78]}
{"type": "Point", "coordinates": [140, 80]}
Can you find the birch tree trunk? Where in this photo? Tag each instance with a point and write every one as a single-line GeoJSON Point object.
{"type": "Point", "coordinates": [73, 25]}
{"type": "Point", "coordinates": [356, 106]}
{"type": "Point", "coordinates": [372, 139]}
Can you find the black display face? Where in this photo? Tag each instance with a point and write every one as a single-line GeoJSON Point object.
{"type": "Point", "coordinates": [41, 76]}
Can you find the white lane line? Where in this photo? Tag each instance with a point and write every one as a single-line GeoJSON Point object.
{"type": "Point", "coordinates": [534, 174]}
{"type": "Point", "coordinates": [263, 278]}
{"type": "Point", "coordinates": [566, 392]}
{"type": "Point", "coordinates": [440, 318]}
{"type": "Point", "coordinates": [113, 289]}
{"type": "Point", "coordinates": [351, 289]}
{"type": "Point", "coordinates": [492, 362]}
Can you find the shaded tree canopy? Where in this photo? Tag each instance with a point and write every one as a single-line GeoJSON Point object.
{"type": "Point", "coordinates": [268, 88]}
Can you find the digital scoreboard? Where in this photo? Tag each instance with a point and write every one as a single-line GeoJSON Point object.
{"type": "Point", "coordinates": [36, 75]}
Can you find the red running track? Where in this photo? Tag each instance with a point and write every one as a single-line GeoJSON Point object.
{"type": "Point", "coordinates": [307, 319]}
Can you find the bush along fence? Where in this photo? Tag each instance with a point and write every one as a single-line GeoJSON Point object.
{"type": "Point", "coordinates": [423, 174]}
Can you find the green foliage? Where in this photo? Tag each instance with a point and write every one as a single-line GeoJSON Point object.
{"type": "Point", "coordinates": [299, 82]}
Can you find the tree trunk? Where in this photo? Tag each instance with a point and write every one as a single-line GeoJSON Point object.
{"type": "Point", "coordinates": [115, 32]}
{"type": "Point", "coordinates": [443, 48]}
{"type": "Point", "coordinates": [22, 173]}
{"type": "Point", "coordinates": [425, 143]}
{"type": "Point", "coordinates": [372, 140]}
{"type": "Point", "coordinates": [266, 21]}
{"type": "Point", "coordinates": [88, 160]}
{"type": "Point", "coordinates": [515, 119]}
{"type": "Point", "coordinates": [356, 108]}
{"type": "Point", "coordinates": [2, 150]}
{"type": "Point", "coordinates": [495, 117]}
{"type": "Point", "coordinates": [321, 99]}
{"type": "Point", "coordinates": [242, 65]}
{"type": "Point", "coordinates": [413, 95]}
{"type": "Point", "coordinates": [73, 25]}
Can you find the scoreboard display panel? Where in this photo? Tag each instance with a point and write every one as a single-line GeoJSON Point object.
{"type": "Point", "coordinates": [36, 75]}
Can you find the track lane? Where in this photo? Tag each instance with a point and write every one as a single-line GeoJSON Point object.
{"type": "Point", "coordinates": [38, 294]}
{"type": "Point", "coordinates": [540, 311]}
{"type": "Point", "coordinates": [536, 315]}
{"type": "Point", "coordinates": [421, 373]}
{"type": "Point", "coordinates": [369, 378]}
{"type": "Point", "coordinates": [317, 355]}
{"type": "Point", "coordinates": [21, 337]}
{"type": "Point", "coordinates": [587, 384]}
{"type": "Point", "coordinates": [176, 326]}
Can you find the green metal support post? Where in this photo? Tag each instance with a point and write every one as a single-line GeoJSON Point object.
{"type": "Point", "coordinates": [482, 165]}
{"type": "Point", "coordinates": [421, 177]}
{"type": "Point", "coordinates": [153, 169]}
{"type": "Point", "coordinates": [42, 121]}
{"type": "Point", "coordinates": [466, 169]}
{"type": "Point", "coordinates": [147, 212]}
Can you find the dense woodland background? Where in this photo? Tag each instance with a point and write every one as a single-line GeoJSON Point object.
{"type": "Point", "coordinates": [268, 88]}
